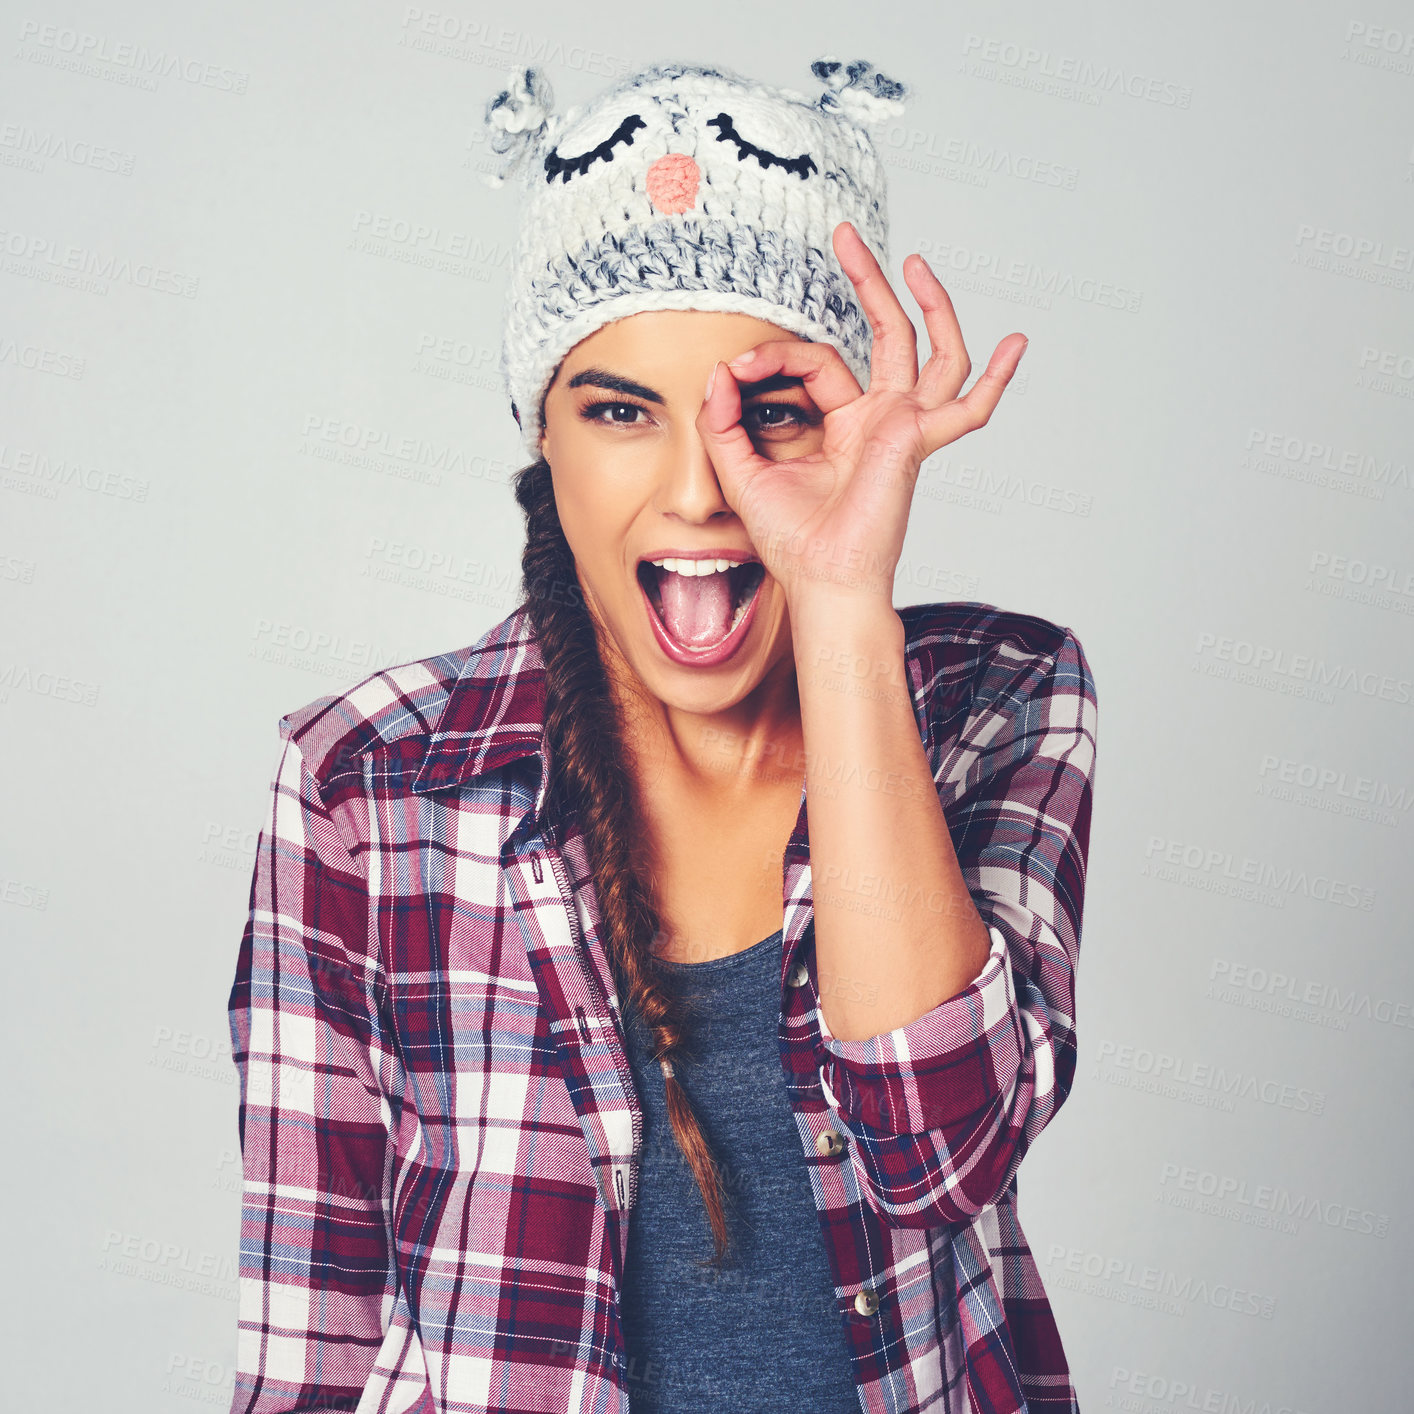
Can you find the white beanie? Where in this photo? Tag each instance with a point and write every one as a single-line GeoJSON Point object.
{"type": "Point", "coordinates": [686, 187]}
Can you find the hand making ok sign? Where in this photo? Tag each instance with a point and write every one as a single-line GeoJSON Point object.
{"type": "Point", "coordinates": [832, 523]}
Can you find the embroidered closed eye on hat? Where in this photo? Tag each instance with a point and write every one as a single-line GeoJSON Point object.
{"type": "Point", "coordinates": [686, 187]}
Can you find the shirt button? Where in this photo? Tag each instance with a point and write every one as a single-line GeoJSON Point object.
{"type": "Point", "coordinates": [829, 1144]}
{"type": "Point", "coordinates": [799, 975]}
{"type": "Point", "coordinates": [867, 1302]}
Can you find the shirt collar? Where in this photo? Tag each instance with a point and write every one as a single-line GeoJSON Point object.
{"type": "Point", "coordinates": [495, 712]}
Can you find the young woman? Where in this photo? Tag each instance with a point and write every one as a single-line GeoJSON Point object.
{"type": "Point", "coordinates": [584, 1067]}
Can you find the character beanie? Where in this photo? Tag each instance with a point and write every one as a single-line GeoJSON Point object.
{"type": "Point", "coordinates": [686, 187]}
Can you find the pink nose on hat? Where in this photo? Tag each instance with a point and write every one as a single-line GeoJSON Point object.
{"type": "Point", "coordinates": [672, 183]}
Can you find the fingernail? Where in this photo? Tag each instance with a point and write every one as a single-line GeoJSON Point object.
{"type": "Point", "coordinates": [742, 357]}
{"type": "Point", "coordinates": [711, 379]}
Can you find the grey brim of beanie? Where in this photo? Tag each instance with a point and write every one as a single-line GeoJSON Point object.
{"type": "Point", "coordinates": [527, 398]}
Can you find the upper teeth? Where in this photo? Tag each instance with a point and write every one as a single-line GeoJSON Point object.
{"type": "Point", "coordinates": [691, 567]}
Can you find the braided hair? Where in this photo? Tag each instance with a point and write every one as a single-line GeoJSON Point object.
{"type": "Point", "coordinates": [592, 780]}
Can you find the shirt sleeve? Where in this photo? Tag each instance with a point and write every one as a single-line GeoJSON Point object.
{"type": "Point", "coordinates": [316, 1282]}
{"type": "Point", "coordinates": [942, 1110]}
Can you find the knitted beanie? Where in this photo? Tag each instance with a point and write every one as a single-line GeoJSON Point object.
{"type": "Point", "coordinates": [686, 187]}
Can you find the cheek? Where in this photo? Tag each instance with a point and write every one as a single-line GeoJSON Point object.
{"type": "Point", "coordinates": [594, 520]}
{"type": "Point", "coordinates": [578, 523]}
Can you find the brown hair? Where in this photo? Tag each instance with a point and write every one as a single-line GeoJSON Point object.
{"type": "Point", "coordinates": [591, 778]}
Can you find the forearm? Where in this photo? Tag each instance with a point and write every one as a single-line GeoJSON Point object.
{"type": "Point", "coordinates": [896, 932]}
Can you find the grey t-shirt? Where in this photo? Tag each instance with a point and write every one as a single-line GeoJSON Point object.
{"type": "Point", "coordinates": [762, 1333]}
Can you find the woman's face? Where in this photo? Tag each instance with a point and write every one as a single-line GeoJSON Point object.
{"type": "Point", "coordinates": [633, 484]}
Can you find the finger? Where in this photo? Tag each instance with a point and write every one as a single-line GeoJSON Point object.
{"type": "Point", "coordinates": [728, 444]}
{"type": "Point", "coordinates": [944, 424]}
{"type": "Point", "coordinates": [893, 363]}
{"type": "Point", "coordinates": [948, 366]}
{"type": "Point", "coordinates": [823, 372]}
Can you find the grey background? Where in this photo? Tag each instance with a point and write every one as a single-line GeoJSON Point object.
{"type": "Point", "coordinates": [211, 515]}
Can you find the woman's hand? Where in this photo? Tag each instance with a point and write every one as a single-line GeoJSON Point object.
{"type": "Point", "coordinates": [832, 524]}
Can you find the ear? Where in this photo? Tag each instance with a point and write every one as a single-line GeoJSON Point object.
{"type": "Point", "coordinates": [522, 122]}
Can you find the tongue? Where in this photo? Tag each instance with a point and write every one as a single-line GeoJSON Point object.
{"type": "Point", "coordinates": [697, 609]}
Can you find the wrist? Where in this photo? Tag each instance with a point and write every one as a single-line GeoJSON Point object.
{"type": "Point", "coordinates": [829, 575]}
{"type": "Point", "coordinates": [844, 618]}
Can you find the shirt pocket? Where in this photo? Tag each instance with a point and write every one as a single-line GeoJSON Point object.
{"type": "Point", "coordinates": [497, 1145]}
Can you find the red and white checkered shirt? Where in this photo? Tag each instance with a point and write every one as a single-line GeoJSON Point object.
{"type": "Point", "coordinates": [438, 1125]}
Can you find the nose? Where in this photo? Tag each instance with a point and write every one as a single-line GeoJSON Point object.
{"type": "Point", "coordinates": [672, 183]}
{"type": "Point", "coordinates": [688, 489]}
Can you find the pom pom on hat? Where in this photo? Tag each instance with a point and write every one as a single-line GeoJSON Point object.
{"type": "Point", "coordinates": [859, 90]}
{"type": "Point", "coordinates": [519, 118]}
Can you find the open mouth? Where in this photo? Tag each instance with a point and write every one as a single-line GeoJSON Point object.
{"type": "Point", "coordinates": [701, 604]}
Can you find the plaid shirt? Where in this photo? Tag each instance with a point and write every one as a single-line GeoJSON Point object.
{"type": "Point", "coordinates": [437, 1119]}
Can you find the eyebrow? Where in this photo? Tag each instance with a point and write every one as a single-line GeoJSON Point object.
{"type": "Point", "coordinates": [616, 383]}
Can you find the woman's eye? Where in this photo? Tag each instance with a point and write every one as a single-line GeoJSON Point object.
{"type": "Point", "coordinates": [593, 413]}
{"type": "Point", "coordinates": [759, 417]}
{"type": "Point", "coordinates": [781, 415]}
